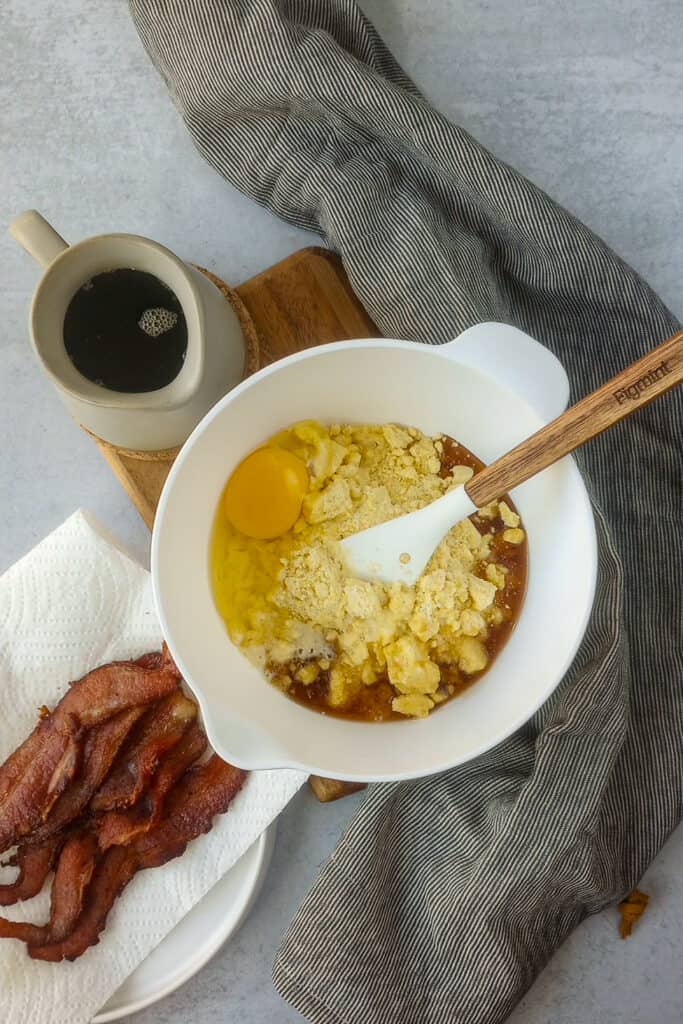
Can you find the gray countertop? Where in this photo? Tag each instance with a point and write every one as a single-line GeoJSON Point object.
{"type": "Point", "coordinates": [586, 101]}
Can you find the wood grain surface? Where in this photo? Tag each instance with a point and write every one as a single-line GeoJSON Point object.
{"type": "Point", "coordinates": [639, 384]}
{"type": "Point", "coordinates": [304, 300]}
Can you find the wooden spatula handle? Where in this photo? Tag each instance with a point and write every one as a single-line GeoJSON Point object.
{"type": "Point", "coordinates": [636, 386]}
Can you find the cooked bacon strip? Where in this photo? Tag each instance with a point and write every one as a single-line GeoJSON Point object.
{"type": "Point", "coordinates": [160, 659]}
{"type": "Point", "coordinates": [153, 659]}
{"type": "Point", "coordinates": [13, 768]}
{"type": "Point", "coordinates": [56, 747]}
{"type": "Point", "coordinates": [16, 764]}
{"type": "Point", "coordinates": [119, 685]}
{"type": "Point", "coordinates": [203, 793]}
{"type": "Point", "coordinates": [67, 765]}
{"type": "Point", "coordinates": [102, 744]}
{"type": "Point", "coordinates": [118, 828]}
{"type": "Point", "coordinates": [190, 748]}
{"type": "Point", "coordinates": [160, 730]}
{"type": "Point", "coordinates": [115, 828]}
{"type": "Point", "coordinates": [111, 876]}
{"type": "Point", "coordinates": [35, 864]}
{"type": "Point", "coordinates": [35, 776]}
{"type": "Point", "coordinates": [72, 878]}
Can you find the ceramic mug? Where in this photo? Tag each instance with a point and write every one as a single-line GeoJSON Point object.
{"type": "Point", "coordinates": [216, 350]}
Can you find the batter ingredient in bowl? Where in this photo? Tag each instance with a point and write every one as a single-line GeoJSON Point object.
{"type": "Point", "coordinates": [263, 496]}
{"type": "Point", "coordinates": [348, 646]}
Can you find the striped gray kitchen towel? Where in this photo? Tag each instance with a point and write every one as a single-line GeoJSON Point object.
{"type": "Point", "coordinates": [446, 896]}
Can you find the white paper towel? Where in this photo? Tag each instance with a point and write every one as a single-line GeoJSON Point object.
{"type": "Point", "coordinates": [75, 602]}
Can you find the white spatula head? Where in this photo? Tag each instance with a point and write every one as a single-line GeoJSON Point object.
{"type": "Point", "coordinates": [399, 550]}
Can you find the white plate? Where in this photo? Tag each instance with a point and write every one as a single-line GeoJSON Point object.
{"type": "Point", "coordinates": [197, 937]}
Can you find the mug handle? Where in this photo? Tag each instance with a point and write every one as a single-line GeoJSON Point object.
{"type": "Point", "coordinates": [516, 361]}
{"type": "Point", "coordinates": [38, 238]}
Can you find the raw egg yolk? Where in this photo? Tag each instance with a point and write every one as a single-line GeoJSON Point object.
{"type": "Point", "coordinates": [263, 497]}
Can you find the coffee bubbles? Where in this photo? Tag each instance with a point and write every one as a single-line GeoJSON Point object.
{"type": "Point", "coordinates": [157, 321]}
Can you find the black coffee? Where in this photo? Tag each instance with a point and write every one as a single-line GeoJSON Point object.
{"type": "Point", "coordinates": [125, 329]}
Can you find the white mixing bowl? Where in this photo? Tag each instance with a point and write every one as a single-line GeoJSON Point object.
{"type": "Point", "coordinates": [489, 388]}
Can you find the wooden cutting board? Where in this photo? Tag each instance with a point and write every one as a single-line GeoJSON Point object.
{"type": "Point", "coordinates": [304, 300]}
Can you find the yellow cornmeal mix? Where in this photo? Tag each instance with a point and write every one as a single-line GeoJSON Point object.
{"type": "Point", "coordinates": [292, 607]}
